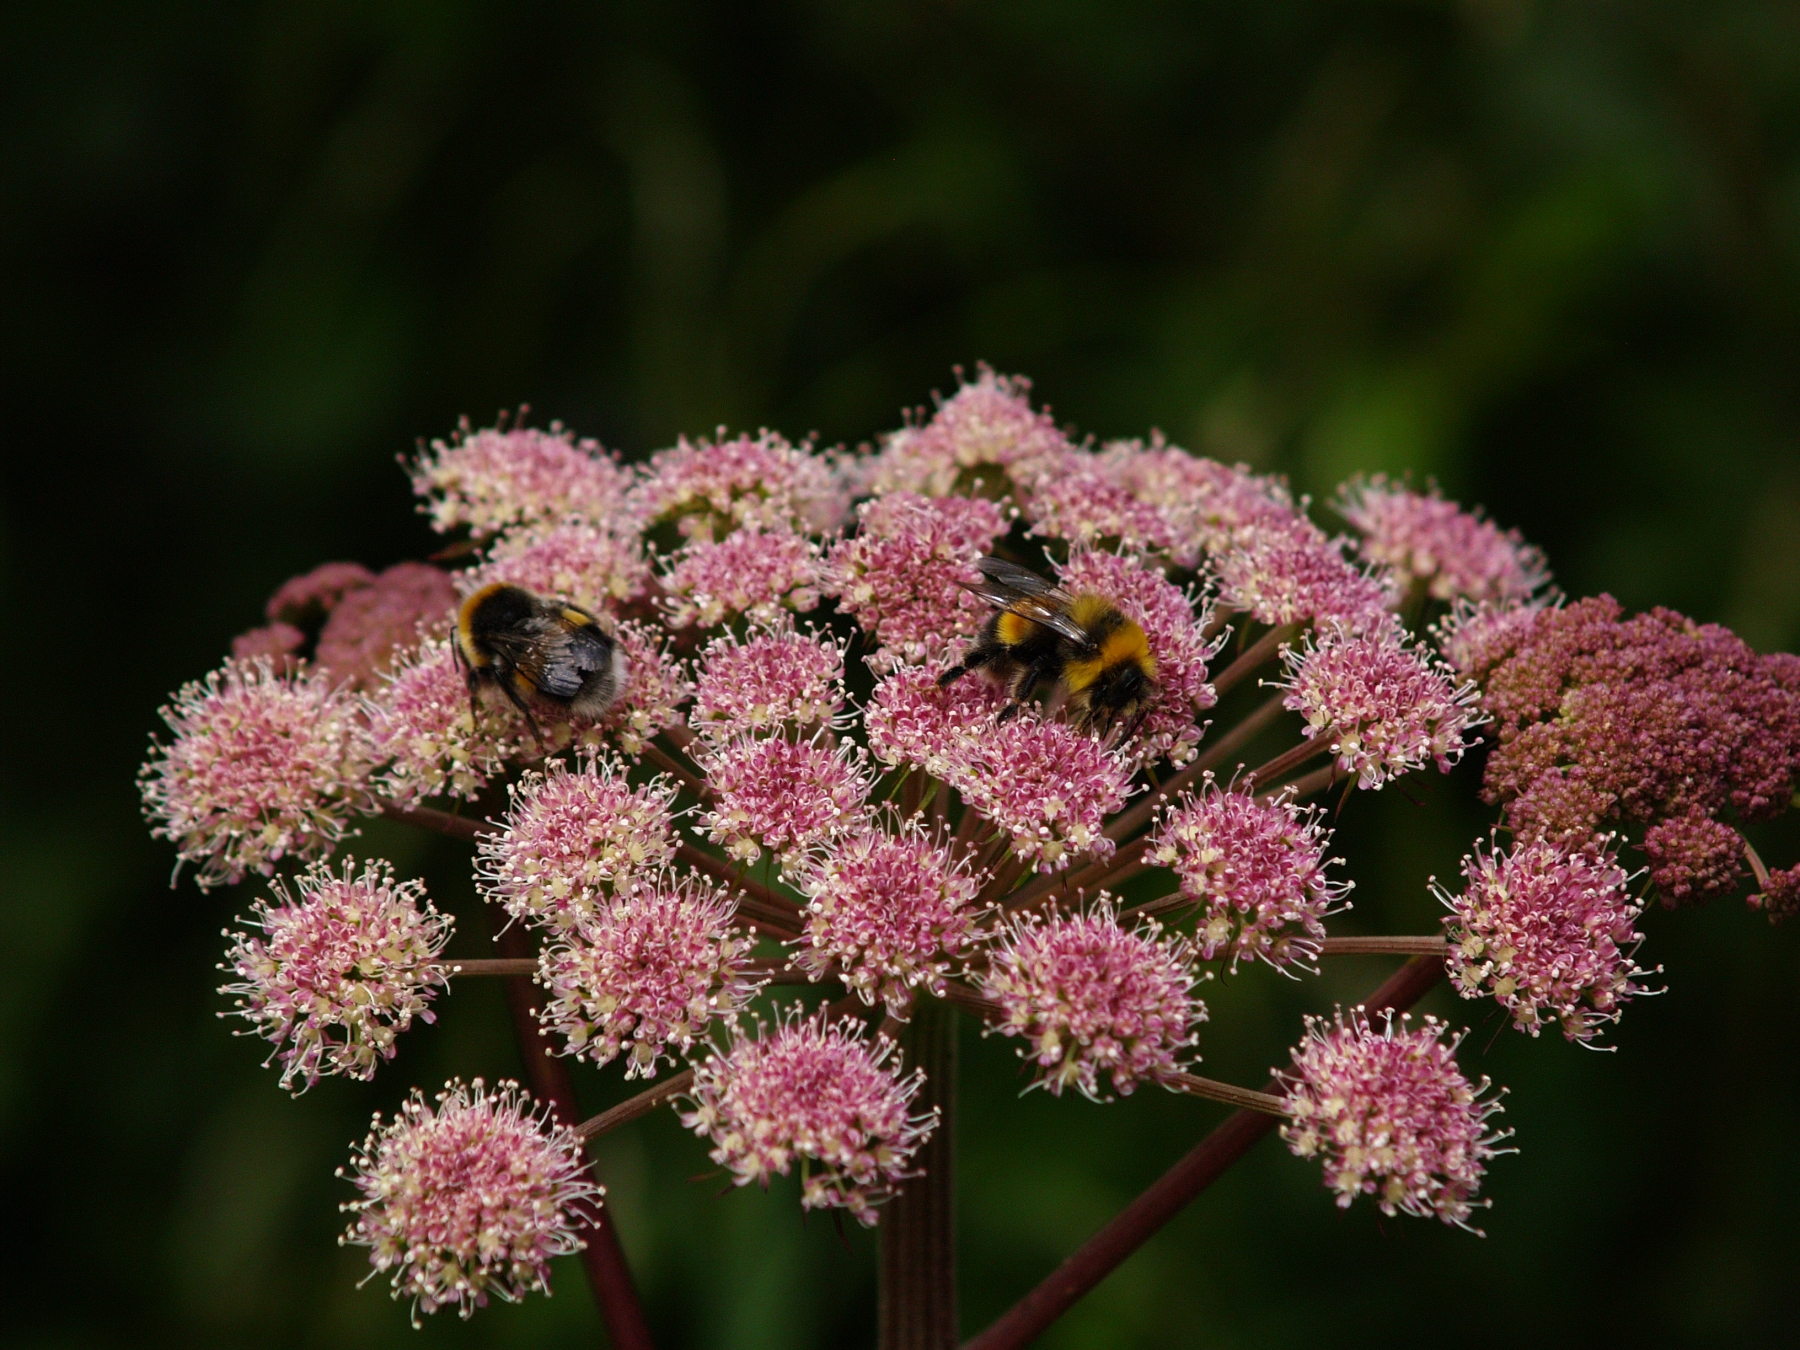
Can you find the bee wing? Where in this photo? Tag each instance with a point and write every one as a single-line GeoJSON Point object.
{"type": "Point", "coordinates": [1025, 593]}
{"type": "Point", "coordinates": [563, 655]}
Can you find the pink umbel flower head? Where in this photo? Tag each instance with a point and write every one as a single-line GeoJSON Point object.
{"type": "Point", "coordinates": [1091, 997]}
{"type": "Point", "coordinates": [373, 624]}
{"type": "Point", "coordinates": [262, 767]}
{"type": "Point", "coordinates": [277, 641]}
{"type": "Point", "coordinates": [986, 433]}
{"type": "Point", "coordinates": [1256, 869]}
{"type": "Point", "coordinates": [1294, 574]}
{"type": "Point", "coordinates": [494, 479]}
{"type": "Point", "coordinates": [1078, 503]}
{"type": "Point", "coordinates": [887, 913]}
{"type": "Point", "coordinates": [818, 1092]}
{"type": "Point", "coordinates": [306, 600]}
{"type": "Point", "coordinates": [571, 840]}
{"type": "Point", "coordinates": [473, 1197]}
{"type": "Point", "coordinates": [1390, 1115]}
{"type": "Point", "coordinates": [904, 575]}
{"type": "Point", "coordinates": [754, 572]}
{"type": "Point", "coordinates": [912, 720]}
{"type": "Point", "coordinates": [1044, 784]}
{"type": "Point", "coordinates": [1436, 544]}
{"type": "Point", "coordinates": [1601, 718]}
{"type": "Point", "coordinates": [1174, 629]}
{"type": "Point", "coordinates": [333, 977]}
{"type": "Point", "coordinates": [1693, 859]}
{"type": "Point", "coordinates": [1779, 896]}
{"type": "Point", "coordinates": [1208, 505]}
{"type": "Point", "coordinates": [772, 680]}
{"type": "Point", "coordinates": [433, 742]}
{"type": "Point", "coordinates": [1476, 635]}
{"type": "Point", "coordinates": [645, 972]}
{"type": "Point", "coordinates": [783, 795]}
{"type": "Point", "coordinates": [589, 565]}
{"type": "Point", "coordinates": [711, 488]}
{"type": "Point", "coordinates": [1548, 932]}
{"type": "Point", "coordinates": [1388, 707]}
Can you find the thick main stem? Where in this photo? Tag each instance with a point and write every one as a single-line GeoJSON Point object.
{"type": "Point", "coordinates": [603, 1257]}
{"type": "Point", "coordinates": [1097, 1258]}
{"type": "Point", "coordinates": [917, 1309]}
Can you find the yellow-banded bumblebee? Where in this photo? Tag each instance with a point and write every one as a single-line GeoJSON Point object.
{"type": "Point", "coordinates": [1039, 632]}
{"type": "Point", "coordinates": [530, 647]}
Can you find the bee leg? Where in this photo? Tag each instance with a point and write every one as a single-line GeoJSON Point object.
{"type": "Point", "coordinates": [524, 711]}
{"type": "Point", "coordinates": [1025, 686]}
{"type": "Point", "coordinates": [952, 675]}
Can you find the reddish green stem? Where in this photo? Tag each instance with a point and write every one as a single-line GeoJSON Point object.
{"type": "Point", "coordinates": [603, 1257]}
{"type": "Point", "coordinates": [1032, 1315]}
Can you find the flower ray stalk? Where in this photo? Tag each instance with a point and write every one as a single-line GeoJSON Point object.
{"type": "Point", "coordinates": [603, 1258]}
{"type": "Point", "coordinates": [1166, 1197]}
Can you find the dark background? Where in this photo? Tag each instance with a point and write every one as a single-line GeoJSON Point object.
{"type": "Point", "coordinates": [1548, 253]}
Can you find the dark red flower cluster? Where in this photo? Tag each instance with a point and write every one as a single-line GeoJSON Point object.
{"type": "Point", "coordinates": [1654, 721]}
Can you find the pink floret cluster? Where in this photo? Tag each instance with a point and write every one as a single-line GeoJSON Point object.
{"type": "Point", "coordinates": [571, 841]}
{"type": "Point", "coordinates": [768, 681]}
{"type": "Point", "coordinates": [372, 625]}
{"type": "Point", "coordinates": [818, 1092]}
{"type": "Point", "coordinates": [982, 438]}
{"type": "Point", "coordinates": [757, 573]}
{"type": "Point", "coordinates": [1390, 1115]}
{"type": "Point", "coordinates": [432, 739]}
{"type": "Point", "coordinates": [470, 1198]}
{"type": "Point", "coordinates": [263, 766]}
{"type": "Point", "coordinates": [1208, 505]}
{"type": "Point", "coordinates": [782, 795]}
{"type": "Point", "coordinates": [1602, 718]}
{"type": "Point", "coordinates": [333, 976]}
{"type": "Point", "coordinates": [645, 972]}
{"type": "Point", "coordinates": [904, 575]}
{"type": "Point", "coordinates": [493, 479]}
{"type": "Point", "coordinates": [1436, 544]}
{"type": "Point", "coordinates": [1091, 997]}
{"type": "Point", "coordinates": [591, 566]}
{"type": "Point", "coordinates": [711, 488]}
{"type": "Point", "coordinates": [1386, 706]}
{"type": "Point", "coordinates": [1256, 870]}
{"type": "Point", "coordinates": [887, 913]}
{"type": "Point", "coordinates": [1293, 574]}
{"type": "Point", "coordinates": [1549, 933]}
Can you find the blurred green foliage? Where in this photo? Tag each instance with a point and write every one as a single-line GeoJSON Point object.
{"type": "Point", "coordinates": [1548, 254]}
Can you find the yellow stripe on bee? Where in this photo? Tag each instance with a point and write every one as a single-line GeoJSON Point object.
{"type": "Point", "coordinates": [1012, 629]}
{"type": "Point", "coordinates": [1088, 609]}
{"type": "Point", "coordinates": [576, 618]}
{"type": "Point", "coordinates": [1125, 645]}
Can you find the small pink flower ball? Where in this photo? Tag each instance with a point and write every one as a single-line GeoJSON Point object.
{"type": "Point", "coordinates": [1548, 931]}
{"type": "Point", "coordinates": [1256, 868]}
{"type": "Point", "coordinates": [432, 739]}
{"type": "Point", "coordinates": [587, 564]}
{"type": "Point", "coordinates": [888, 913]}
{"type": "Point", "coordinates": [754, 572]}
{"type": "Point", "coordinates": [263, 766]}
{"type": "Point", "coordinates": [648, 970]}
{"type": "Point", "coordinates": [816, 1091]}
{"type": "Point", "coordinates": [773, 680]}
{"type": "Point", "coordinates": [1436, 544]}
{"type": "Point", "coordinates": [1390, 1115]}
{"type": "Point", "coordinates": [473, 1197]}
{"type": "Point", "coordinates": [494, 479]}
{"type": "Point", "coordinates": [570, 839]}
{"type": "Point", "coordinates": [1388, 707]}
{"type": "Point", "coordinates": [1091, 997]}
{"type": "Point", "coordinates": [335, 976]}
{"type": "Point", "coordinates": [784, 795]}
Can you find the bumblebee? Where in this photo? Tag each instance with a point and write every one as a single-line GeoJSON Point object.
{"type": "Point", "coordinates": [529, 647]}
{"type": "Point", "coordinates": [1039, 632]}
